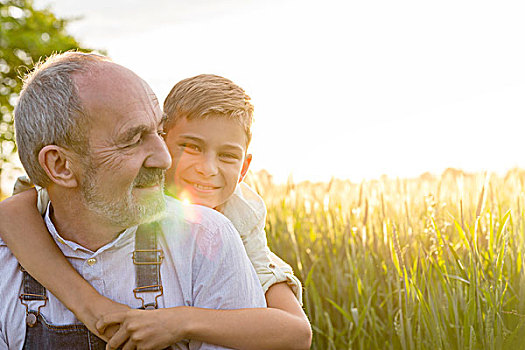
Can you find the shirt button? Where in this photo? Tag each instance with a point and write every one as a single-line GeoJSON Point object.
{"type": "Point", "coordinates": [91, 261]}
{"type": "Point", "coordinates": [272, 266]}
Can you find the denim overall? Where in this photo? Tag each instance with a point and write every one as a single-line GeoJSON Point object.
{"type": "Point", "coordinates": [42, 335]}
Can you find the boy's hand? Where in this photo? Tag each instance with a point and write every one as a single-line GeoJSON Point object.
{"type": "Point", "coordinates": [97, 308]}
{"type": "Point", "coordinates": [146, 329]}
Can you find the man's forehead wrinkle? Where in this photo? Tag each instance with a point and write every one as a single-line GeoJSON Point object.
{"type": "Point", "coordinates": [155, 108]}
{"type": "Point", "coordinates": [98, 71]}
{"type": "Point", "coordinates": [109, 74]}
{"type": "Point", "coordinates": [102, 92]}
{"type": "Point", "coordinates": [154, 97]}
{"type": "Point", "coordinates": [120, 102]}
{"type": "Point", "coordinates": [145, 100]}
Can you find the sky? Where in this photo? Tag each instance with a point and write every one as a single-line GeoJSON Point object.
{"type": "Point", "coordinates": [346, 89]}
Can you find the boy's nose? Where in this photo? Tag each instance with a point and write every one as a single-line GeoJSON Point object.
{"type": "Point", "coordinates": [208, 166]}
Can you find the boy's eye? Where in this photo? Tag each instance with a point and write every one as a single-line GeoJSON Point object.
{"type": "Point", "coordinates": [161, 133]}
{"type": "Point", "coordinates": [229, 157]}
{"type": "Point", "coordinates": [190, 147]}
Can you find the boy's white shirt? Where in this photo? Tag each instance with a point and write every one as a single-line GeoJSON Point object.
{"type": "Point", "coordinates": [246, 210]}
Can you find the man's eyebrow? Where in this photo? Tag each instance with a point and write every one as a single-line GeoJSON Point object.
{"type": "Point", "coordinates": [132, 132]}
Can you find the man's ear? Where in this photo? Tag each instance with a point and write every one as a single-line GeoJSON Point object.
{"type": "Point", "coordinates": [245, 166]}
{"type": "Point", "coordinates": [57, 165]}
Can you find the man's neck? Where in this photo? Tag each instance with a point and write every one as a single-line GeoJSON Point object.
{"type": "Point", "coordinates": [74, 222]}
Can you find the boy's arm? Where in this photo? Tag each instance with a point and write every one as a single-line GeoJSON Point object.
{"type": "Point", "coordinates": [25, 233]}
{"type": "Point", "coordinates": [291, 280]}
{"type": "Point", "coordinates": [247, 212]}
{"type": "Point", "coordinates": [255, 328]}
{"type": "Point", "coordinates": [270, 268]}
{"type": "Point", "coordinates": [283, 325]}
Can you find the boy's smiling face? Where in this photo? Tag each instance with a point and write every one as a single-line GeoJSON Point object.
{"type": "Point", "coordinates": [209, 159]}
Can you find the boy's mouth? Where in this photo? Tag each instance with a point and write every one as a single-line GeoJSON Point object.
{"type": "Point", "coordinates": [202, 187]}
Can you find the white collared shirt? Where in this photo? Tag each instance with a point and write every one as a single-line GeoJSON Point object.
{"type": "Point", "coordinates": [246, 210]}
{"type": "Point", "coordinates": [205, 265]}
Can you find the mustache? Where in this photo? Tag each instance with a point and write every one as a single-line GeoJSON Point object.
{"type": "Point", "coordinates": [149, 177]}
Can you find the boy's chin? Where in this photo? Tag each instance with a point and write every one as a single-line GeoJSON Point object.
{"type": "Point", "coordinates": [187, 196]}
{"type": "Point", "coordinates": [210, 203]}
{"type": "Point", "coordinates": [213, 203]}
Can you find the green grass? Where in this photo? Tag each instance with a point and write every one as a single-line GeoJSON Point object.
{"type": "Point", "coordinates": [427, 263]}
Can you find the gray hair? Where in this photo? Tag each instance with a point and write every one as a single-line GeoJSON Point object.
{"type": "Point", "coordinates": [49, 111]}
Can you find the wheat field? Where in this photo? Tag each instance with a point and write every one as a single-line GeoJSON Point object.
{"type": "Point", "coordinates": [425, 263]}
{"type": "Point", "coordinates": [434, 262]}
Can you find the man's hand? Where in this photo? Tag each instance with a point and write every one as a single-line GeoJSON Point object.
{"type": "Point", "coordinates": [146, 329]}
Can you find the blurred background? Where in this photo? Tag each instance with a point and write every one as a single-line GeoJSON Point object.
{"type": "Point", "coordinates": [351, 90]}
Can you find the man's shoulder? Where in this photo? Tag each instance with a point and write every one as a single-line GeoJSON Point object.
{"type": "Point", "coordinates": [189, 219]}
{"type": "Point", "coordinates": [193, 214]}
{"type": "Point", "coordinates": [190, 229]}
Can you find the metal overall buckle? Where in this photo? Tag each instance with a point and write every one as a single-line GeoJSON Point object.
{"type": "Point", "coordinates": [31, 316]}
{"type": "Point", "coordinates": [156, 262]}
{"type": "Point", "coordinates": [155, 287]}
{"type": "Point", "coordinates": [149, 306]}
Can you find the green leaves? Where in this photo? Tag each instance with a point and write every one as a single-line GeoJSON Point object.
{"type": "Point", "coordinates": [26, 36]}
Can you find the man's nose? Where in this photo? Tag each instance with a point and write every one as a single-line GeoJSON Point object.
{"type": "Point", "coordinates": [159, 155]}
{"type": "Point", "coordinates": [208, 165]}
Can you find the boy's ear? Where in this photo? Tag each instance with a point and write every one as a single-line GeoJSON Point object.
{"type": "Point", "coordinates": [245, 166]}
{"type": "Point", "coordinates": [57, 165]}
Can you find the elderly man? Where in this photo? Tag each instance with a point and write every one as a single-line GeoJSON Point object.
{"type": "Point", "coordinates": [88, 130]}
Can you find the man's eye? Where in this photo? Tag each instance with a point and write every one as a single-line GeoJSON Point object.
{"type": "Point", "coordinates": [135, 141]}
{"type": "Point", "coordinates": [161, 133]}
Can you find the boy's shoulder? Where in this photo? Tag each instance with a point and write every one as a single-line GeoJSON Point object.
{"type": "Point", "coordinates": [245, 208]}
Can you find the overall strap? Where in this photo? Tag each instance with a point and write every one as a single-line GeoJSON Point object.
{"type": "Point", "coordinates": [147, 258]}
{"type": "Point", "coordinates": [32, 290]}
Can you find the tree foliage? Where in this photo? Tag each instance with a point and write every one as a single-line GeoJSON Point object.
{"type": "Point", "coordinates": [26, 35]}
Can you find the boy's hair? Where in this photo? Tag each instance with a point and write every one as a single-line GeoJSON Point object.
{"type": "Point", "coordinates": [208, 95]}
